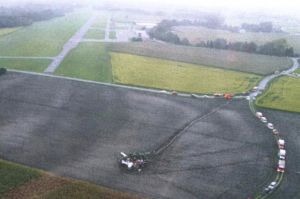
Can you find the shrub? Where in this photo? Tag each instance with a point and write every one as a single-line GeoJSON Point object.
{"type": "Point", "coordinates": [2, 71]}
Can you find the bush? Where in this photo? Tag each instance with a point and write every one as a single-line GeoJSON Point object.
{"type": "Point", "coordinates": [2, 71]}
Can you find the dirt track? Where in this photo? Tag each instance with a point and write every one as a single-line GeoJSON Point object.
{"type": "Point", "coordinates": [77, 129]}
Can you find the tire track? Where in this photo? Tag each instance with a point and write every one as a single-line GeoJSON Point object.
{"type": "Point", "coordinates": [179, 132]}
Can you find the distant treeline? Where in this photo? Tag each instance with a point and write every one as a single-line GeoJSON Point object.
{"type": "Point", "coordinates": [163, 31]}
{"type": "Point", "coordinates": [217, 22]}
{"type": "Point", "coordinates": [278, 47]}
{"type": "Point", "coordinates": [24, 16]}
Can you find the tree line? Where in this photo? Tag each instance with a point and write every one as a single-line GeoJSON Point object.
{"type": "Point", "coordinates": [277, 47]}
{"type": "Point", "coordinates": [163, 31]}
{"type": "Point", "coordinates": [21, 16]}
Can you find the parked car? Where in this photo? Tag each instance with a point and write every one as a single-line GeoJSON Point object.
{"type": "Point", "coordinates": [259, 114]}
{"type": "Point", "coordinates": [275, 131]}
{"type": "Point", "coordinates": [270, 126]}
{"type": "Point", "coordinates": [281, 143]}
{"type": "Point", "coordinates": [271, 187]}
{"type": "Point", "coordinates": [263, 119]}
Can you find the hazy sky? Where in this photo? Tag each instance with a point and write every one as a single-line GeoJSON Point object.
{"type": "Point", "coordinates": [275, 5]}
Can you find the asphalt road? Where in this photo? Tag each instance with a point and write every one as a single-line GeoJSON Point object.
{"type": "Point", "coordinates": [265, 81]}
{"type": "Point", "coordinates": [288, 125]}
{"type": "Point", "coordinates": [77, 129]}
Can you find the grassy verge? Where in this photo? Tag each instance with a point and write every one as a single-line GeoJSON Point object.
{"type": "Point", "coordinates": [44, 38]}
{"type": "Point", "coordinates": [283, 94]}
{"type": "Point", "coordinates": [163, 74]}
{"type": "Point", "coordinates": [18, 181]}
{"type": "Point", "coordinates": [112, 35]}
{"type": "Point", "coordinates": [85, 190]}
{"type": "Point", "coordinates": [89, 61]}
{"type": "Point", "coordinates": [13, 175]}
{"type": "Point", "coordinates": [95, 34]}
{"type": "Point", "coordinates": [238, 61]}
{"type": "Point", "coordinates": [35, 65]}
{"type": "Point", "coordinates": [5, 31]}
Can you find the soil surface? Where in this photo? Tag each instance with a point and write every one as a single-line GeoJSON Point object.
{"type": "Point", "coordinates": [77, 129]}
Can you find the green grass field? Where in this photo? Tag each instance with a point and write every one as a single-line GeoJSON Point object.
{"type": "Point", "coordinates": [283, 94]}
{"type": "Point", "coordinates": [89, 61]}
{"type": "Point", "coordinates": [85, 190]}
{"type": "Point", "coordinates": [95, 34]}
{"type": "Point", "coordinates": [35, 65]}
{"type": "Point", "coordinates": [101, 20]}
{"type": "Point", "coordinates": [6, 31]}
{"type": "Point", "coordinates": [112, 35]}
{"type": "Point", "coordinates": [163, 74]}
{"type": "Point", "coordinates": [197, 34]}
{"type": "Point", "coordinates": [12, 176]}
{"type": "Point", "coordinates": [44, 38]}
{"type": "Point", "coordinates": [17, 181]}
{"type": "Point", "coordinates": [238, 61]}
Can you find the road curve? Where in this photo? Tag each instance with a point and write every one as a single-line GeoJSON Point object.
{"type": "Point", "coordinates": [263, 84]}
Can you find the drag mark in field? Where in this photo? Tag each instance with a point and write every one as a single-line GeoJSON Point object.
{"type": "Point", "coordinates": [179, 132]}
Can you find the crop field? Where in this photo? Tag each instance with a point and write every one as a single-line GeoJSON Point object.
{"type": "Point", "coordinates": [5, 31]}
{"type": "Point", "coordinates": [164, 74]}
{"type": "Point", "coordinates": [95, 34]}
{"type": "Point", "coordinates": [238, 61]}
{"type": "Point", "coordinates": [35, 65]}
{"type": "Point", "coordinates": [283, 94]}
{"type": "Point", "coordinates": [44, 38]}
{"type": "Point", "coordinates": [77, 130]}
{"type": "Point", "coordinates": [197, 34]}
{"type": "Point", "coordinates": [89, 61]}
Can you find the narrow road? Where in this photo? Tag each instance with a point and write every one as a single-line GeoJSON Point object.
{"type": "Point", "coordinates": [263, 84]}
{"type": "Point", "coordinates": [107, 29]}
{"type": "Point", "coordinates": [262, 87]}
{"type": "Point", "coordinates": [71, 44]}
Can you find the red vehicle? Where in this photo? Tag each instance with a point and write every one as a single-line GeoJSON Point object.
{"type": "Point", "coordinates": [228, 96]}
{"type": "Point", "coordinates": [281, 166]}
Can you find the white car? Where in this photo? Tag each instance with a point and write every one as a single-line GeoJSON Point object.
{"type": "Point", "coordinates": [263, 119]}
{"type": "Point", "coordinates": [271, 186]}
{"type": "Point", "coordinates": [163, 91]}
{"type": "Point", "coordinates": [259, 114]}
{"type": "Point", "coordinates": [270, 126]}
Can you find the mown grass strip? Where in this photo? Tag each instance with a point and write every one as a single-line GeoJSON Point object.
{"type": "Point", "coordinates": [90, 61]}
{"type": "Point", "coordinates": [6, 31]}
{"type": "Point", "coordinates": [45, 38]}
{"type": "Point", "coordinates": [13, 175]}
{"type": "Point", "coordinates": [34, 65]}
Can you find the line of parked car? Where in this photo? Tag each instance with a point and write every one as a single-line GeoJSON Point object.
{"type": "Point", "coordinates": [281, 151]}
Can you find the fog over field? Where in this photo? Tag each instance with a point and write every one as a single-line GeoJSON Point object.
{"type": "Point", "coordinates": [275, 7]}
